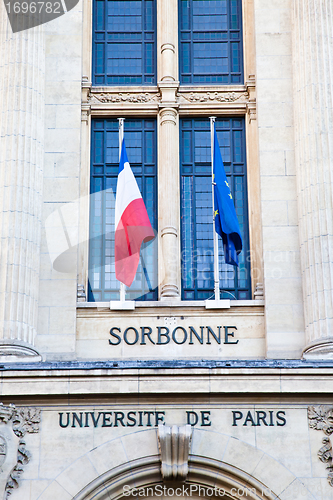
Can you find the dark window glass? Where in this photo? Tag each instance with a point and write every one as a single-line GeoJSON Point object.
{"type": "Point", "coordinates": [196, 208]}
{"type": "Point", "coordinates": [210, 41]}
{"type": "Point", "coordinates": [140, 139]}
{"type": "Point", "coordinates": [124, 39]}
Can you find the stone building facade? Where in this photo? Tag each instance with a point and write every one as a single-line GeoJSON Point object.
{"type": "Point", "coordinates": [243, 387]}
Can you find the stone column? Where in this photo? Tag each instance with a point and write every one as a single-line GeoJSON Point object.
{"type": "Point", "coordinates": [313, 76]}
{"type": "Point", "coordinates": [168, 204]}
{"type": "Point", "coordinates": [22, 61]}
{"type": "Point", "coordinates": [167, 44]}
{"type": "Point", "coordinates": [168, 150]}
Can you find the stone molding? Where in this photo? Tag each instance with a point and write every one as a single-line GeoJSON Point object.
{"type": "Point", "coordinates": [169, 230]}
{"type": "Point", "coordinates": [24, 420]}
{"type": "Point", "coordinates": [213, 97]}
{"type": "Point", "coordinates": [319, 349]}
{"type": "Point", "coordinates": [174, 445]}
{"type": "Point", "coordinates": [321, 419]}
{"type": "Point", "coordinates": [18, 351]}
{"type": "Point", "coordinates": [168, 115]}
{"type": "Point", "coordinates": [168, 46]}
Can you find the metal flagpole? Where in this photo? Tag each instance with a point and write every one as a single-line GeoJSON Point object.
{"type": "Point", "coordinates": [121, 137]}
{"type": "Point", "coordinates": [216, 240]}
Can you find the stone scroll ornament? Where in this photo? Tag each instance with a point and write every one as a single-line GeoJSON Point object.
{"type": "Point", "coordinates": [321, 419]}
{"type": "Point", "coordinates": [22, 421]}
{"type": "Point", "coordinates": [174, 445]}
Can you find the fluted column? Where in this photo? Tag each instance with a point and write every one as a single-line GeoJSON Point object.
{"type": "Point", "coordinates": [168, 149]}
{"type": "Point", "coordinates": [313, 77]}
{"type": "Point", "coordinates": [22, 62]}
{"type": "Point", "coordinates": [167, 43]}
{"type": "Point", "coordinates": [168, 201]}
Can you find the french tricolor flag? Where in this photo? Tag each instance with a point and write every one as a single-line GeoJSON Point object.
{"type": "Point", "coordinates": [131, 221]}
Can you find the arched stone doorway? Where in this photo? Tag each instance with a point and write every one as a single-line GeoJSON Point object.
{"type": "Point", "coordinates": [215, 459]}
{"type": "Point", "coordinates": [207, 478]}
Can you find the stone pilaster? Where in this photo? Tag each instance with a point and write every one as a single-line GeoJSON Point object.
{"type": "Point", "coordinates": [168, 201]}
{"type": "Point", "coordinates": [313, 76]}
{"type": "Point", "coordinates": [168, 154]}
{"type": "Point", "coordinates": [167, 43]}
{"type": "Point", "coordinates": [22, 61]}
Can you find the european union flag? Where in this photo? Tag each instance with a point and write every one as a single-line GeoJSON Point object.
{"type": "Point", "coordinates": [226, 223]}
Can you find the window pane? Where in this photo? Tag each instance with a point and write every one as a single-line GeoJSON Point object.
{"type": "Point", "coordinates": [196, 208]}
{"type": "Point", "coordinates": [140, 137]}
{"type": "Point", "coordinates": [210, 41]}
{"type": "Point", "coordinates": [125, 32]}
{"type": "Point", "coordinates": [187, 233]}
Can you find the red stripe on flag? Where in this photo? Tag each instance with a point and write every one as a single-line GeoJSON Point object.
{"type": "Point", "coordinates": [134, 227]}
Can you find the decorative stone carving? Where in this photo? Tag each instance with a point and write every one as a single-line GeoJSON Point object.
{"type": "Point", "coordinates": [3, 450]}
{"type": "Point", "coordinates": [321, 418]}
{"type": "Point", "coordinates": [85, 113]}
{"type": "Point", "coordinates": [213, 97]}
{"type": "Point", "coordinates": [24, 420]}
{"type": "Point", "coordinates": [6, 413]}
{"type": "Point", "coordinates": [23, 457]}
{"type": "Point", "coordinates": [126, 97]}
{"type": "Point", "coordinates": [174, 444]}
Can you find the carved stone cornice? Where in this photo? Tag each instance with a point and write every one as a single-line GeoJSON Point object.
{"type": "Point", "coordinates": [23, 420]}
{"type": "Point", "coordinates": [236, 98]}
{"type": "Point", "coordinates": [174, 444]}
{"type": "Point", "coordinates": [96, 97]}
{"type": "Point", "coordinates": [125, 100]}
{"type": "Point", "coordinates": [213, 97]}
{"type": "Point", "coordinates": [321, 419]}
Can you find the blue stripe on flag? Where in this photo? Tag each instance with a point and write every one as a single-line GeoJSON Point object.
{"type": "Point", "coordinates": [123, 157]}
